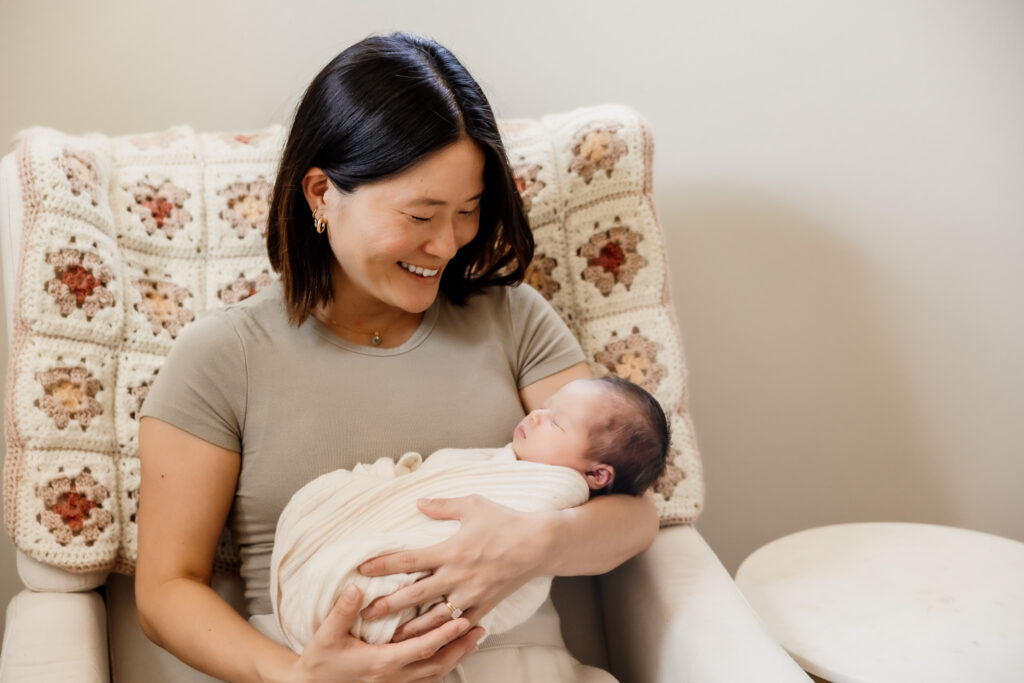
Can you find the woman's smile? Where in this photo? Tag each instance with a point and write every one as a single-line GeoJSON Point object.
{"type": "Point", "coordinates": [420, 271]}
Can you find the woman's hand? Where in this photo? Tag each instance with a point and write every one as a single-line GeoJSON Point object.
{"type": "Point", "coordinates": [333, 654]}
{"type": "Point", "coordinates": [496, 550]}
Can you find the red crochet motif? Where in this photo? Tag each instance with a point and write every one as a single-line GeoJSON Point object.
{"type": "Point", "coordinates": [80, 281]}
{"type": "Point", "coordinates": [73, 508]}
{"type": "Point", "coordinates": [160, 208]}
{"type": "Point", "coordinates": [611, 258]}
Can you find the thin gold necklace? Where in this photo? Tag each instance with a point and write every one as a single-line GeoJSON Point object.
{"type": "Point", "coordinates": [377, 336]}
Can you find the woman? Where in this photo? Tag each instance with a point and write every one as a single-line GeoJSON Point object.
{"type": "Point", "coordinates": [398, 235]}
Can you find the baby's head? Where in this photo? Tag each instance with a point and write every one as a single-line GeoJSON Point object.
{"type": "Point", "coordinates": [608, 429]}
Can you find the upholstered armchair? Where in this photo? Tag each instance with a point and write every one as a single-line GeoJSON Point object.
{"type": "Point", "coordinates": [112, 245]}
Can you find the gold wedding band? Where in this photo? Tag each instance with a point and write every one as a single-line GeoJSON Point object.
{"type": "Point", "coordinates": [456, 612]}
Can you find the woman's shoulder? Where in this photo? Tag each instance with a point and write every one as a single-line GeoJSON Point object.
{"type": "Point", "coordinates": [500, 308]}
{"type": "Point", "coordinates": [231, 324]}
{"type": "Point", "coordinates": [506, 298]}
{"type": "Point", "coordinates": [266, 303]}
{"type": "Point", "coordinates": [265, 310]}
{"type": "Point", "coordinates": [515, 308]}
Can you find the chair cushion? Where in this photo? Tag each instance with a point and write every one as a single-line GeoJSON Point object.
{"type": "Point", "coordinates": [55, 637]}
{"type": "Point", "coordinates": [127, 240]}
{"type": "Point", "coordinates": [49, 579]}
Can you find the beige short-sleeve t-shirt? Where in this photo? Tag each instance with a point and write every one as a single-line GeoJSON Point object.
{"type": "Point", "coordinates": [297, 402]}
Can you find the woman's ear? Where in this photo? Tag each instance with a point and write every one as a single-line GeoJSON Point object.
{"type": "Point", "coordinates": [600, 476]}
{"type": "Point", "coordinates": [314, 187]}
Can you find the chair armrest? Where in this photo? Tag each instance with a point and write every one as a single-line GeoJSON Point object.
{"type": "Point", "coordinates": [673, 613]}
{"type": "Point", "coordinates": [55, 637]}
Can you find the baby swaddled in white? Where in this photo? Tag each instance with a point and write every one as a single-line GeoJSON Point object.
{"type": "Point", "coordinates": [343, 518]}
{"type": "Point", "coordinates": [592, 436]}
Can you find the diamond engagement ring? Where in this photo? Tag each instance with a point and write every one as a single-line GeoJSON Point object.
{"type": "Point", "coordinates": [456, 612]}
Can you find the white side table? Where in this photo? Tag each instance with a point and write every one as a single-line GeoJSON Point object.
{"type": "Point", "coordinates": [881, 602]}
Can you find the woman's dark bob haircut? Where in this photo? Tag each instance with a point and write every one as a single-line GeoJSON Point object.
{"type": "Point", "coordinates": [375, 110]}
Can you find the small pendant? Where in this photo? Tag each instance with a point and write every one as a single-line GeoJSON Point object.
{"type": "Point", "coordinates": [375, 340]}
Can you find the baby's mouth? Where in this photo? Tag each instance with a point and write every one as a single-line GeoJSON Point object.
{"type": "Point", "coordinates": [419, 270]}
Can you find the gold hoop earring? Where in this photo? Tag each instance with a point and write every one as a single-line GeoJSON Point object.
{"type": "Point", "coordinates": [320, 224]}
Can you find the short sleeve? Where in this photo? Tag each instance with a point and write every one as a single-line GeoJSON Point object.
{"type": "Point", "coordinates": [544, 343]}
{"type": "Point", "coordinates": [201, 387]}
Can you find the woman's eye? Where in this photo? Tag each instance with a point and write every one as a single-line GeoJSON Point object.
{"type": "Point", "coordinates": [419, 219]}
{"type": "Point", "coordinates": [471, 212]}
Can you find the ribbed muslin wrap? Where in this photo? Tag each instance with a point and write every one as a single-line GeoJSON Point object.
{"type": "Point", "coordinates": [343, 518]}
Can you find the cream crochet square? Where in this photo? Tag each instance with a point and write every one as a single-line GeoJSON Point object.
{"type": "Point", "coordinates": [237, 199]}
{"type": "Point", "coordinates": [136, 373]}
{"type": "Point", "coordinates": [260, 147]}
{"type": "Point", "coordinates": [62, 395]}
{"type": "Point", "coordinates": [162, 296]}
{"type": "Point", "coordinates": [229, 280]}
{"type": "Point", "coordinates": [158, 209]}
{"type": "Point", "coordinates": [614, 257]}
{"type": "Point", "coordinates": [62, 251]}
{"type": "Point", "coordinates": [548, 272]}
{"type": "Point", "coordinates": [176, 145]}
{"type": "Point", "coordinates": [70, 174]}
{"type": "Point", "coordinates": [536, 170]}
{"type": "Point", "coordinates": [68, 509]}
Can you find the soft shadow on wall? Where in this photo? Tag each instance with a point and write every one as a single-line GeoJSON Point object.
{"type": "Point", "coordinates": [801, 404]}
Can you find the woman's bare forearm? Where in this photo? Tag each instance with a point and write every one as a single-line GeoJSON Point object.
{"type": "Point", "coordinates": [600, 535]}
{"type": "Point", "coordinates": [188, 485]}
{"type": "Point", "coordinates": [188, 619]}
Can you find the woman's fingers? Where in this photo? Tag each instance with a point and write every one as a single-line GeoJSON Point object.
{"type": "Point", "coordinates": [422, 592]}
{"type": "Point", "coordinates": [422, 648]}
{"type": "Point", "coordinates": [404, 562]}
{"type": "Point", "coordinates": [334, 628]}
{"type": "Point", "coordinates": [333, 654]}
{"type": "Point", "coordinates": [432, 618]}
{"type": "Point", "coordinates": [445, 508]}
{"type": "Point", "coordinates": [445, 658]}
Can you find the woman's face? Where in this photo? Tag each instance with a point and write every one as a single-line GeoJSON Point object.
{"type": "Point", "coordinates": [393, 238]}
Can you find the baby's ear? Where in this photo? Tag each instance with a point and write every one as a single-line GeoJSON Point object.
{"type": "Point", "coordinates": [600, 476]}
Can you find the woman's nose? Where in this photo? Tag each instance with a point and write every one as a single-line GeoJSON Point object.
{"type": "Point", "coordinates": [442, 243]}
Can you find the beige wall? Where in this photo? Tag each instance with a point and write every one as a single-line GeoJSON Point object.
{"type": "Point", "coordinates": [842, 185]}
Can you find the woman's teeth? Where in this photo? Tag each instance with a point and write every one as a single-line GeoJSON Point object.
{"type": "Point", "coordinates": [423, 272]}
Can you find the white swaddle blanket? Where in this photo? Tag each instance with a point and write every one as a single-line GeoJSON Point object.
{"type": "Point", "coordinates": [343, 518]}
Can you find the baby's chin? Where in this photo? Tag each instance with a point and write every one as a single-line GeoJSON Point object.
{"type": "Point", "coordinates": [525, 455]}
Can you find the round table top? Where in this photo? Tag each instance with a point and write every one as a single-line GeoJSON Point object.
{"type": "Point", "coordinates": [887, 601]}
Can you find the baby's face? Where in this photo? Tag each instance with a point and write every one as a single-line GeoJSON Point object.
{"type": "Point", "coordinates": [559, 433]}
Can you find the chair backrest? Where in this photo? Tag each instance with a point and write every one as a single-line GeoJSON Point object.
{"type": "Point", "coordinates": [122, 242]}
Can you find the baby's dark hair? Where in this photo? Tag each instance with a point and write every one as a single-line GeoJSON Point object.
{"type": "Point", "coordinates": [633, 439]}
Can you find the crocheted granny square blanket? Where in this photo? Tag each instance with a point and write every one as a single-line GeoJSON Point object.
{"type": "Point", "coordinates": [127, 240]}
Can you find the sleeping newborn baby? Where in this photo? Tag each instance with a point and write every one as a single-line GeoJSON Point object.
{"type": "Point", "coordinates": [593, 436]}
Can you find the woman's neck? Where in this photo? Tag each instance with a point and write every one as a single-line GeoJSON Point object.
{"type": "Point", "coordinates": [376, 324]}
